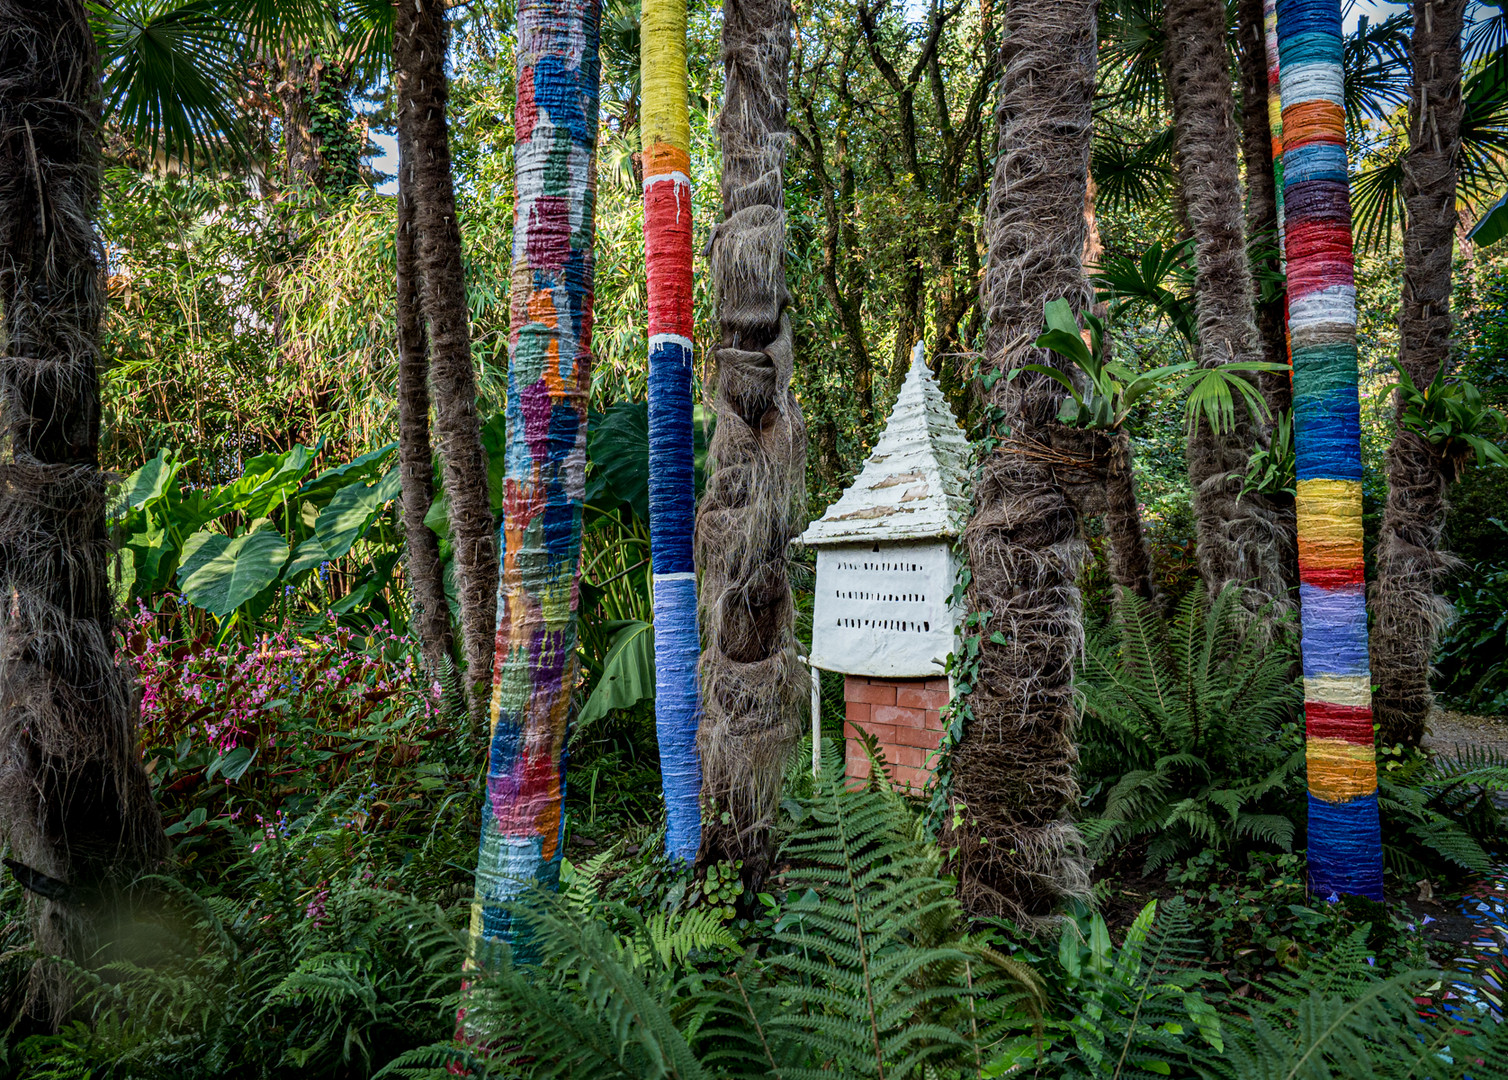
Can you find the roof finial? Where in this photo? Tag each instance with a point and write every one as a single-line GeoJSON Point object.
{"type": "Point", "coordinates": [919, 354]}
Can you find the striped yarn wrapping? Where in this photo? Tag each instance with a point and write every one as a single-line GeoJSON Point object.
{"type": "Point", "coordinates": [1345, 850]}
{"type": "Point", "coordinates": [549, 373]}
{"type": "Point", "coordinates": [666, 137]}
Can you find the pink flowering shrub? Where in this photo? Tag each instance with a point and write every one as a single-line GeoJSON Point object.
{"type": "Point", "coordinates": [230, 724]}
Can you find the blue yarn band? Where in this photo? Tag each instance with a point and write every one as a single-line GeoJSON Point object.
{"type": "Point", "coordinates": [1334, 630]}
{"type": "Point", "coordinates": [1345, 848]}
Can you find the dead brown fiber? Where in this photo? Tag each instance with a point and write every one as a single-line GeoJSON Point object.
{"type": "Point", "coordinates": [1015, 847]}
{"type": "Point", "coordinates": [1240, 539]}
{"type": "Point", "coordinates": [419, 65]}
{"type": "Point", "coordinates": [754, 691]}
{"type": "Point", "coordinates": [75, 804]}
{"type": "Point", "coordinates": [430, 617]}
{"type": "Point", "coordinates": [1407, 611]}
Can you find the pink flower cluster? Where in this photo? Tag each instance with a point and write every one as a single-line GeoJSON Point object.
{"type": "Point", "coordinates": [234, 694]}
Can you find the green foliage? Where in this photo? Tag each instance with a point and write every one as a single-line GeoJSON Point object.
{"type": "Point", "coordinates": [1189, 737]}
{"type": "Point", "coordinates": [1273, 469]}
{"type": "Point", "coordinates": [1440, 809]}
{"type": "Point", "coordinates": [1139, 1010]}
{"type": "Point", "coordinates": [1451, 416]}
{"type": "Point", "coordinates": [241, 548]}
{"type": "Point", "coordinates": [1472, 664]}
{"type": "Point", "coordinates": [1113, 389]}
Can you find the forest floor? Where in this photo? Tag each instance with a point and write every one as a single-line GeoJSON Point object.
{"type": "Point", "coordinates": [1448, 729]}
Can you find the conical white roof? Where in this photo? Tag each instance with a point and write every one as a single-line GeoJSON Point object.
{"type": "Point", "coordinates": [914, 484]}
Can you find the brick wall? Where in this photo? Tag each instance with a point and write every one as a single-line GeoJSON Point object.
{"type": "Point", "coordinates": [905, 715]}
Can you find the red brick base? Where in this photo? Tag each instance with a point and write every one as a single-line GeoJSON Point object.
{"type": "Point", "coordinates": [904, 715]}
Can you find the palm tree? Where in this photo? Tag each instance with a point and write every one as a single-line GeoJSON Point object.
{"type": "Point", "coordinates": [1240, 539]}
{"type": "Point", "coordinates": [419, 64]}
{"type": "Point", "coordinates": [666, 138]}
{"type": "Point", "coordinates": [430, 615]}
{"type": "Point", "coordinates": [753, 688]}
{"type": "Point", "coordinates": [1012, 785]}
{"type": "Point", "coordinates": [1345, 851]}
{"type": "Point", "coordinates": [75, 804]}
{"type": "Point", "coordinates": [1410, 563]}
{"type": "Point", "coordinates": [549, 376]}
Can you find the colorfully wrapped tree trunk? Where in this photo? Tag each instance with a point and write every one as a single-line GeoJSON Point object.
{"type": "Point", "coordinates": [1345, 851]}
{"type": "Point", "coordinates": [549, 376]}
{"type": "Point", "coordinates": [666, 137]}
{"type": "Point", "coordinates": [1275, 118]}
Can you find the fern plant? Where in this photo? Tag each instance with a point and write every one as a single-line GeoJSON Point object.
{"type": "Point", "coordinates": [1189, 737]}
{"type": "Point", "coordinates": [1439, 809]}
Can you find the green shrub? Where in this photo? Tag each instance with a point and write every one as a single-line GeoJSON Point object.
{"type": "Point", "coordinates": [1190, 736]}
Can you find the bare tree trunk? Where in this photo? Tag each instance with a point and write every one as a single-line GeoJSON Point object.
{"type": "Point", "coordinates": [419, 57]}
{"type": "Point", "coordinates": [430, 617]}
{"type": "Point", "coordinates": [1407, 612]}
{"type": "Point", "coordinates": [753, 688]}
{"type": "Point", "coordinates": [1239, 538]}
{"type": "Point", "coordinates": [1017, 851]}
{"type": "Point", "coordinates": [74, 797]}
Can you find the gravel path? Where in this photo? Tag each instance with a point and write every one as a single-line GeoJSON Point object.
{"type": "Point", "coordinates": [1448, 729]}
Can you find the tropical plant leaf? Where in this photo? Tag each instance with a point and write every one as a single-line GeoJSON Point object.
{"type": "Point", "coordinates": [238, 570]}
{"type": "Point", "coordinates": [628, 673]}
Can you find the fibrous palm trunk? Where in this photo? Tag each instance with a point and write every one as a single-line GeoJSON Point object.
{"type": "Point", "coordinates": [549, 376]}
{"type": "Point", "coordinates": [1130, 562]}
{"type": "Point", "coordinates": [1239, 538]}
{"type": "Point", "coordinates": [1408, 612]}
{"type": "Point", "coordinates": [1016, 848]}
{"type": "Point", "coordinates": [666, 134]}
{"type": "Point", "coordinates": [753, 688]}
{"type": "Point", "coordinates": [419, 57]}
{"type": "Point", "coordinates": [1345, 848]}
{"type": "Point", "coordinates": [74, 796]}
{"type": "Point", "coordinates": [430, 615]}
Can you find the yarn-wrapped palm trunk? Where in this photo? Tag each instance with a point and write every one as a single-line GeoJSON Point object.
{"type": "Point", "coordinates": [666, 135]}
{"type": "Point", "coordinates": [549, 372]}
{"type": "Point", "coordinates": [1345, 851]}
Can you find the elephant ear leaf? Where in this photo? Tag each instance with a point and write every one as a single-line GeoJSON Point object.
{"type": "Point", "coordinates": [350, 513]}
{"type": "Point", "coordinates": [241, 568]}
{"type": "Point", "coordinates": [628, 673]}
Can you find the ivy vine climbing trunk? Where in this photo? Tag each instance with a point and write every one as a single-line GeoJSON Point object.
{"type": "Point", "coordinates": [419, 59]}
{"type": "Point", "coordinates": [430, 616]}
{"type": "Point", "coordinates": [549, 377]}
{"type": "Point", "coordinates": [1345, 847]}
{"type": "Point", "coordinates": [666, 136]}
{"type": "Point", "coordinates": [75, 804]}
{"type": "Point", "coordinates": [753, 689]}
{"type": "Point", "coordinates": [1410, 563]}
{"type": "Point", "coordinates": [1240, 539]}
{"type": "Point", "coordinates": [1015, 846]}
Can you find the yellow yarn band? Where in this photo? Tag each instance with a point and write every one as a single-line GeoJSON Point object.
{"type": "Point", "coordinates": [1353, 690]}
{"type": "Point", "coordinates": [1340, 771]}
{"type": "Point", "coordinates": [1329, 511]}
{"type": "Point", "coordinates": [662, 52]}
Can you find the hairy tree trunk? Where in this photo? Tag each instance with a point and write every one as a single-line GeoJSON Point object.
{"type": "Point", "coordinates": [1012, 786]}
{"type": "Point", "coordinates": [753, 689]}
{"type": "Point", "coordinates": [419, 57]}
{"type": "Point", "coordinates": [1239, 538]}
{"type": "Point", "coordinates": [1130, 562]}
{"type": "Point", "coordinates": [430, 617]}
{"type": "Point", "coordinates": [1406, 609]}
{"type": "Point", "coordinates": [74, 797]}
{"type": "Point", "coordinates": [1261, 196]}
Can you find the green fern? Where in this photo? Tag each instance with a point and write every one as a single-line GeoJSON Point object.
{"type": "Point", "coordinates": [1189, 737]}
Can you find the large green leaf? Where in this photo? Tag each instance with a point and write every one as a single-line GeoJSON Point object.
{"type": "Point", "coordinates": [148, 482]}
{"type": "Point", "coordinates": [628, 673]}
{"type": "Point", "coordinates": [320, 490]}
{"type": "Point", "coordinates": [351, 511]}
{"type": "Point", "coordinates": [241, 568]}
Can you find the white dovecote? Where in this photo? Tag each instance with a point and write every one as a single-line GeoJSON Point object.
{"type": "Point", "coordinates": [885, 566]}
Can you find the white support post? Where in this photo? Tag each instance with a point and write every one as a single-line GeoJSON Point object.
{"type": "Point", "coordinates": [816, 721]}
